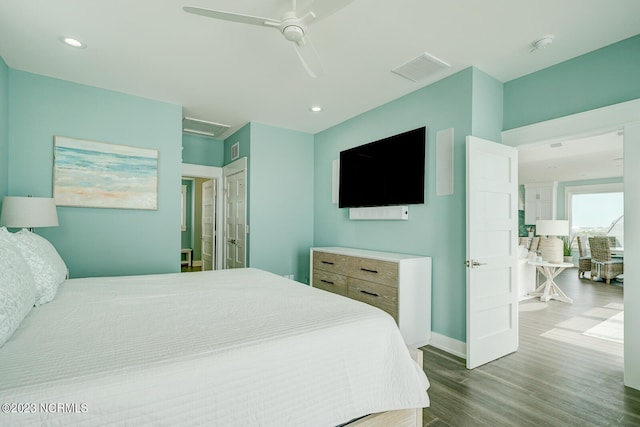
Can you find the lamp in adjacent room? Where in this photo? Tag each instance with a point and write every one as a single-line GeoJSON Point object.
{"type": "Point", "coordinates": [552, 247]}
{"type": "Point", "coordinates": [28, 212]}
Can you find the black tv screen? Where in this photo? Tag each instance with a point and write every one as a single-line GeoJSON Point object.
{"type": "Point", "coordinates": [385, 172]}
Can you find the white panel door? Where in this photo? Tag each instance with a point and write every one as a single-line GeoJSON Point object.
{"type": "Point", "coordinates": [492, 230]}
{"type": "Point", "coordinates": [208, 224]}
{"type": "Point", "coordinates": [235, 175]}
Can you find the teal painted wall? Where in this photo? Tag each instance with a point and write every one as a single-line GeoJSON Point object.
{"type": "Point", "coordinates": [281, 188]}
{"type": "Point", "coordinates": [603, 77]}
{"type": "Point", "coordinates": [4, 129]}
{"type": "Point", "coordinates": [243, 137]}
{"type": "Point", "coordinates": [98, 242]}
{"type": "Point", "coordinates": [486, 102]}
{"type": "Point", "coordinates": [199, 150]}
{"type": "Point", "coordinates": [435, 229]}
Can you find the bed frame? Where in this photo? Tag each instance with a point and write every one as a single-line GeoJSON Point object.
{"type": "Point", "coordinates": [400, 418]}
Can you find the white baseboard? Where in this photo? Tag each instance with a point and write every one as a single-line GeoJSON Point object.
{"type": "Point", "coordinates": [197, 263]}
{"type": "Point", "coordinates": [444, 343]}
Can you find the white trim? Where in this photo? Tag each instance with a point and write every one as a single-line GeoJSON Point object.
{"type": "Point", "coordinates": [450, 345]}
{"type": "Point", "coordinates": [600, 120]}
{"type": "Point", "coordinates": [183, 204]}
{"type": "Point", "coordinates": [211, 172]}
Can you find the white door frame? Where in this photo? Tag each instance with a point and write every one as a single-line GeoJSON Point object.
{"type": "Point", "coordinates": [623, 116]}
{"type": "Point", "coordinates": [210, 172]}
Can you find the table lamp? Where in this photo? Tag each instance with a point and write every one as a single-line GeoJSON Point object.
{"type": "Point", "coordinates": [28, 212]}
{"type": "Point", "coordinates": [552, 247]}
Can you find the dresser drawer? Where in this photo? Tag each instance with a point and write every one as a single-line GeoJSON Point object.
{"type": "Point", "coordinates": [381, 296]}
{"type": "Point", "coordinates": [331, 282]}
{"type": "Point", "coordinates": [373, 270]}
{"type": "Point", "coordinates": [330, 262]}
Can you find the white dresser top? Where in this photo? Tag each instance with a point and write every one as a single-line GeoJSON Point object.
{"type": "Point", "coordinates": [365, 253]}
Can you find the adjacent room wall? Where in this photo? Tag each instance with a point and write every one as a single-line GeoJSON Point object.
{"type": "Point", "coordinates": [98, 242]}
{"type": "Point", "coordinates": [199, 150]}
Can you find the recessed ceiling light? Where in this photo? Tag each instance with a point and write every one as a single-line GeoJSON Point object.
{"type": "Point", "coordinates": [315, 108]}
{"type": "Point", "coordinates": [70, 41]}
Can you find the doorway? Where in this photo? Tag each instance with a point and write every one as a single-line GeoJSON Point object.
{"type": "Point", "coordinates": [618, 117]}
{"type": "Point", "coordinates": [198, 224]}
{"type": "Point", "coordinates": [208, 223]}
{"type": "Point", "coordinates": [236, 227]}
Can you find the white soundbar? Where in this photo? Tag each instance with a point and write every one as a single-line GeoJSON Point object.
{"type": "Point", "coordinates": [381, 212]}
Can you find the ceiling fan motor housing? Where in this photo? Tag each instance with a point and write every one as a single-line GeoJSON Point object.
{"type": "Point", "coordinates": [294, 33]}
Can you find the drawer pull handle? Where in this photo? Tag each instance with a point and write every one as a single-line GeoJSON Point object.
{"type": "Point", "coordinates": [327, 262]}
{"type": "Point", "coordinates": [327, 282]}
{"type": "Point", "coordinates": [369, 271]}
{"type": "Point", "coordinates": [369, 293]}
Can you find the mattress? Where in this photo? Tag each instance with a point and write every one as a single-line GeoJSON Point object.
{"type": "Point", "coordinates": [230, 348]}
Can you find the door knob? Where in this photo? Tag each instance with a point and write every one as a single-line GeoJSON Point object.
{"type": "Point", "coordinates": [474, 263]}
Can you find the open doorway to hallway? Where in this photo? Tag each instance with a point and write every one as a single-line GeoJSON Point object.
{"type": "Point", "coordinates": [198, 224]}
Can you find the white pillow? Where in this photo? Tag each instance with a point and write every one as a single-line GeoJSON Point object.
{"type": "Point", "coordinates": [17, 289]}
{"type": "Point", "coordinates": [47, 268]}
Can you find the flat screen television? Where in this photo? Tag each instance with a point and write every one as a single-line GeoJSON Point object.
{"type": "Point", "coordinates": [384, 173]}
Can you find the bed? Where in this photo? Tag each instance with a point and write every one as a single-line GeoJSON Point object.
{"type": "Point", "coordinates": [229, 348]}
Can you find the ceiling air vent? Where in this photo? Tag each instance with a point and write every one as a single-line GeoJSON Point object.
{"type": "Point", "coordinates": [203, 128]}
{"type": "Point", "coordinates": [421, 67]}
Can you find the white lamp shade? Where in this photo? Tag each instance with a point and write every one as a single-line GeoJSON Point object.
{"type": "Point", "coordinates": [28, 212]}
{"type": "Point", "coordinates": [552, 227]}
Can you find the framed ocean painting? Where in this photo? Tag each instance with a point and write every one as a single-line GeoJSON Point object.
{"type": "Point", "coordinates": [102, 175]}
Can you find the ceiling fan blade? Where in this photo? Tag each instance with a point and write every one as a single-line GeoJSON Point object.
{"type": "Point", "coordinates": [309, 58]}
{"type": "Point", "coordinates": [234, 17]}
{"type": "Point", "coordinates": [323, 8]}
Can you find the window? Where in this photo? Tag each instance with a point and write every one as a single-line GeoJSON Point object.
{"type": "Point", "coordinates": [597, 211]}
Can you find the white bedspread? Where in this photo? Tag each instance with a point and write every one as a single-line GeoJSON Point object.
{"type": "Point", "coordinates": [226, 348]}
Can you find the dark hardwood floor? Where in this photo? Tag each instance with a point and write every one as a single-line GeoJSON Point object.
{"type": "Point", "coordinates": [558, 377]}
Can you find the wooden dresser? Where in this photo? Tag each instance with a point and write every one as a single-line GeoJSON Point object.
{"type": "Point", "coordinates": [396, 283]}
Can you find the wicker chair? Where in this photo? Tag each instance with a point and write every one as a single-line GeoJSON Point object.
{"type": "Point", "coordinates": [584, 260]}
{"type": "Point", "coordinates": [602, 265]}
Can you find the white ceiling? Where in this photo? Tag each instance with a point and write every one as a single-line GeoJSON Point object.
{"type": "Point", "coordinates": [232, 73]}
{"type": "Point", "coordinates": [594, 157]}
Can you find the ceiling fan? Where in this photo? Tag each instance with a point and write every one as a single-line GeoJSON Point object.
{"type": "Point", "coordinates": [292, 25]}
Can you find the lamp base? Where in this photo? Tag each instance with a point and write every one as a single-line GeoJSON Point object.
{"type": "Point", "coordinates": [552, 250]}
